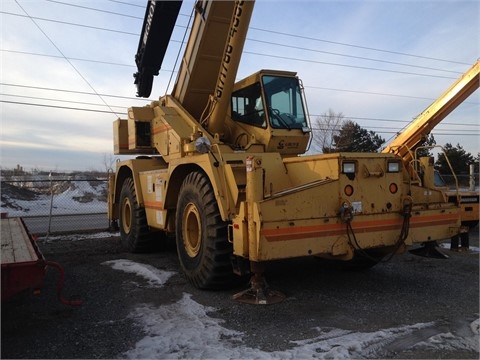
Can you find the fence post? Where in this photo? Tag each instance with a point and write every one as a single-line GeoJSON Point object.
{"type": "Point", "coordinates": [472, 178]}
{"type": "Point", "coordinates": [51, 204]}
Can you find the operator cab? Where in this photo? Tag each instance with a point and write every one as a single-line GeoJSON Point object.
{"type": "Point", "coordinates": [269, 106]}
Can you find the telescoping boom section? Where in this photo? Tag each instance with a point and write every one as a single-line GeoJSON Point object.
{"type": "Point", "coordinates": [220, 171]}
{"type": "Point", "coordinates": [405, 143]}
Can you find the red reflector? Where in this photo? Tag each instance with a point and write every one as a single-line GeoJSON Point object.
{"type": "Point", "coordinates": [348, 190]}
{"type": "Point", "coordinates": [393, 188]}
{"type": "Point", "coordinates": [236, 226]}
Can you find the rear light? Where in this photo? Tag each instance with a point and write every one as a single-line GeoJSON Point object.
{"type": "Point", "coordinates": [393, 166]}
{"type": "Point", "coordinates": [348, 167]}
{"type": "Point", "coordinates": [348, 190]}
{"type": "Point", "coordinates": [393, 188]}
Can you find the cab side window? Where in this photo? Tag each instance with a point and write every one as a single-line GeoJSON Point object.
{"type": "Point", "coordinates": [247, 106]}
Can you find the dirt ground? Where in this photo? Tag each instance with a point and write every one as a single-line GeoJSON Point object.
{"type": "Point", "coordinates": [407, 290]}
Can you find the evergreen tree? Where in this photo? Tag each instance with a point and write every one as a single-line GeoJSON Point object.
{"type": "Point", "coordinates": [353, 138]}
{"type": "Point", "coordinates": [458, 157]}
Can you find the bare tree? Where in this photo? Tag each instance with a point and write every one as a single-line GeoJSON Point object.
{"type": "Point", "coordinates": [108, 163]}
{"type": "Point", "coordinates": [325, 127]}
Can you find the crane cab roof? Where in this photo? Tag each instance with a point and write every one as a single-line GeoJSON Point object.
{"type": "Point", "coordinates": [256, 77]}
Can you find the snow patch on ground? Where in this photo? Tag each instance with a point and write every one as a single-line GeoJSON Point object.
{"type": "Point", "coordinates": [77, 237]}
{"type": "Point", "coordinates": [154, 276]}
{"type": "Point", "coordinates": [185, 329]}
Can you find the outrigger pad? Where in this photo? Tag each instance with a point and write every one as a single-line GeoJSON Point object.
{"type": "Point", "coordinates": [259, 292]}
{"type": "Point", "coordinates": [259, 296]}
{"type": "Point", "coordinates": [429, 249]}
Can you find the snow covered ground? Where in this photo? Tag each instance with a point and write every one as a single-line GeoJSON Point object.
{"type": "Point", "coordinates": [70, 197]}
{"type": "Point", "coordinates": [187, 329]}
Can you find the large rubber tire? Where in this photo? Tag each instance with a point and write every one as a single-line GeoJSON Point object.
{"type": "Point", "coordinates": [134, 231]}
{"type": "Point", "coordinates": [201, 235]}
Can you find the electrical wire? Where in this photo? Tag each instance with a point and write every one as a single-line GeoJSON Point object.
{"type": "Point", "coordinates": [71, 91]}
{"type": "Point", "coordinates": [271, 32]}
{"type": "Point", "coordinates": [345, 65]}
{"type": "Point", "coordinates": [60, 51]}
{"type": "Point", "coordinates": [249, 39]}
{"type": "Point", "coordinates": [438, 132]}
{"type": "Point", "coordinates": [69, 58]}
{"type": "Point", "coordinates": [63, 107]}
{"type": "Point", "coordinates": [357, 46]}
{"type": "Point", "coordinates": [58, 100]}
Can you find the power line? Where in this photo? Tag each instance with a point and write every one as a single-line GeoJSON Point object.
{"type": "Point", "coordinates": [69, 58]}
{"type": "Point", "coordinates": [72, 24]}
{"type": "Point", "coordinates": [435, 131]}
{"type": "Point", "coordinates": [59, 100]}
{"type": "Point", "coordinates": [60, 51]}
{"type": "Point", "coordinates": [275, 32]}
{"type": "Point", "coordinates": [272, 43]}
{"type": "Point", "coordinates": [351, 56]}
{"type": "Point", "coordinates": [345, 65]}
{"type": "Point", "coordinates": [145, 100]}
{"type": "Point", "coordinates": [62, 107]}
{"type": "Point", "coordinates": [73, 91]}
{"type": "Point", "coordinates": [110, 63]}
{"type": "Point", "coordinates": [94, 9]}
{"type": "Point", "coordinates": [356, 46]}
{"type": "Point", "coordinates": [127, 3]}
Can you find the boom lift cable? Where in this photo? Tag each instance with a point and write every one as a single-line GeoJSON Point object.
{"type": "Point", "coordinates": [179, 51]}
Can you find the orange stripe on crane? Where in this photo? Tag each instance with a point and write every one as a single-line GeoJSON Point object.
{"type": "Point", "coordinates": [302, 232]}
{"type": "Point", "coordinates": [154, 205]}
{"type": "Point", "coordinates": [161, 128]}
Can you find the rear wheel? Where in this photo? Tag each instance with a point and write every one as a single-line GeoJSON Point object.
{"type": "Point", "coordinates": [134, 231]}
{"type": "Point", "coordinates": [203, 248]}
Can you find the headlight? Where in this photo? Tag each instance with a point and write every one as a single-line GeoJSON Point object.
{"type": "Point", "coordinates": [393, 167]}
{"type": "Point", "coordinates": [348, 167]}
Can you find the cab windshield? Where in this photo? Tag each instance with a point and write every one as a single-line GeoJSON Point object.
{"type": "Point", "coordinates": [284, 102]}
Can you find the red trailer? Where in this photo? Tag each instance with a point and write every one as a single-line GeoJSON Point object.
{"type": "Point", "coordinates": [23, 265]}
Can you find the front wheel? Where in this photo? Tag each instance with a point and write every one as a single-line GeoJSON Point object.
{"type": "Point", "coordinates": [202, 244]}
{"type": "Point", "coordinates": [134, 231]}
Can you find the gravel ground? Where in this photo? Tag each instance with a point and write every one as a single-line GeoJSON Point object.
{"type": "Point", "coordinates": [405, 291]}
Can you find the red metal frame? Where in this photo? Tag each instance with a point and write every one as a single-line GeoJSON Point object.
{"type": "Point", "coordinates": [18, 277]}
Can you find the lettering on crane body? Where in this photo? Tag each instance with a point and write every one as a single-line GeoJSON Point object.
{"type": "Point", "coordinates": [229, 49]}
{"type": "Point", "coordinates": [151, 10]}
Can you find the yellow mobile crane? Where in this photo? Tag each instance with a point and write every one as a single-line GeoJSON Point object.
{"type": "Point", "coordinates": [406, 144]}
{"type": "Point", "coordinates": [219, 167]}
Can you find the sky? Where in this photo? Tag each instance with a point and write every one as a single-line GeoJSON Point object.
{"type": "Point", "coordinates": [66, 68]}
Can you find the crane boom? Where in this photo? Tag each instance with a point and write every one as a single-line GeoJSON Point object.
{"type": "Point", "coordinates": [215, 46]}
{"type": "Point", "coordinates": [160, 18]}
{"type": "Point", "coordinates": [203, 55]}
{"type": "Point", "coordinates": [405, 143]}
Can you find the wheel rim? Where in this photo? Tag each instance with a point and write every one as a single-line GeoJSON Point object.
{"type": "Point", "coordinates": [191, 230]}
{"type": "Point", "coordinates": [126, 215]}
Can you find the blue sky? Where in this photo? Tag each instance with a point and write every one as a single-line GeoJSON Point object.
{"type": "Point", "coordinates": [380, 63]}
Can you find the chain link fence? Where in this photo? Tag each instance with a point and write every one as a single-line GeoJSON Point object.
{"type": "Point", "coordinates": [50, 204]}
{"type": "Point", "coordinates": [59, 204]}
{"type": "Point", "coordinates": [465, 182]}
